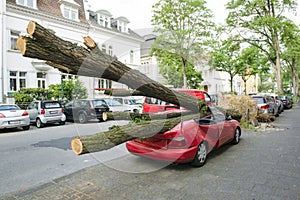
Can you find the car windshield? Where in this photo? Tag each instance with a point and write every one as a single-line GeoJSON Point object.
{"type": "Point", "coordinates": [52, 104]}
{"type": "Point", "coordinates": [259, 100]}
{"type": "Point", "coordinates": [112, 102]}
{"type": "Point", "coordinates": [9, 107]}
{"type": "Point", "coordinates": [98, 102]}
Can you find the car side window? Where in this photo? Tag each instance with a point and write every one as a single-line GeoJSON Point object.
{"type": "Point", "coordinates": [69, 105]}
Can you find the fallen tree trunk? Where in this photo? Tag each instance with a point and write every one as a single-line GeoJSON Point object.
{"type": "Point", "coordinates": [119, 134]}
{"type": "Point", "coordinates": [90, 61]}
{"type": "Point", "coordinates": [43, 44]}
{"type": "Point", "coordinates": [147, 117]}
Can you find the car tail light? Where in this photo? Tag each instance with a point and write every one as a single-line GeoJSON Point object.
{"type": "Point", "coordinates": [43, 112]}
{"type": "Point", "coordinates": [62, 110]}
{"type": "Point", "coordinates": [265, 107]}
{"type": "Point", "coordinates": [2, 116]}
{"type": "Point", "coordinates": [177, 142]}
{"type": "Point", "coordinates": [25, 113]}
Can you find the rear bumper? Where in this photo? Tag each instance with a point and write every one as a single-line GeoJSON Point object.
{"type": "Point", "coordinates": [60, 118]}
{"type": "Point", "coordinates": [170, 155]}
{"type": "Point", "coordinates": [18, 122]}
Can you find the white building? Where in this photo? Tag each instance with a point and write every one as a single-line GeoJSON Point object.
{"type": "Point", "coordinates": [70, 20]}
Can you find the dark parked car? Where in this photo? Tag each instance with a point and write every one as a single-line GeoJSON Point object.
{"type": "Point", "coordinates": [286, 101]}
{"type": "Point", "coordinates": [189, 141]}
{"type": "Point", "coordinates": [82, 110]}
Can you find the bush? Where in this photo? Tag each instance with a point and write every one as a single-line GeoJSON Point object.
{"type": "Point", "coordinates": [244, 105]}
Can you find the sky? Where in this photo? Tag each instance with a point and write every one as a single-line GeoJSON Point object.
{"type": "Point", "coordinates": [139, 12]}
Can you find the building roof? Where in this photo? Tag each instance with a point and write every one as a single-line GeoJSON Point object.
{"type": "Point", "coordinates": [53, 7]}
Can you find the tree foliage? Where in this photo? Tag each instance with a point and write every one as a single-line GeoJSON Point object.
{"type": "Point", "coordinates": [291, 59]}
{"type": "Point", "coordinates": [72, 89]}
{"type": "Point", "coordinates": [250, 63]}
{"type": "Point", "coordinates": [26, 95]}
{"type": "Point", "coordinates": [225, 58]}
{"type": "Point", "coordinates": [183, 27]}
{"type": "Point", "coordinates": [262, 23]}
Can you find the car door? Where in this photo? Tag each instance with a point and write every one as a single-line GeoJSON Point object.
{"type": "Point", "coordinates": [33, 110]}
{"type": "Point", "coordinates": [69, 110]}
{"type": "Point", "coordinates": [224, 126]}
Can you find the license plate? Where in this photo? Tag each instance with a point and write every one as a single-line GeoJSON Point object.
{"type": "Point", "coordinates": [53, 112]}
{"type": "Point", "coordinates": [13, 122]}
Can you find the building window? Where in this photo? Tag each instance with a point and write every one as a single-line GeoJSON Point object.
{"type": "Point", "coordinates": [70, 13]}
{"type": "Point", "coordinates": [13, 39]}
{"type": "Point", "coordinates": [110, 50]}
{"type": "Point", "coordinates": [131, 56]}
{"type": "Point", "coordinates": [104, 83]}
{"type": "Point", "coordinates": [17, 80]}
{"type": "Point", "coordinates": [27, 3]}
{"type": "Point", "coordinates": [104, 21]}
{"type": "Point", "coordinates": [103, 48]}
{"type": "Point", "coordinates": [41, 78]}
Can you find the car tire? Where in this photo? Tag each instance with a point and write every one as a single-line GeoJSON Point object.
{"type": "Point", "coordinates": [39, 123]}
{"type": "Point", "coordinates": [201, 155]}
{"type": "Point", "coordinates": [82, 118]}
{"type": "Point", "coordinates": [237, 135]}
{"type": "Point", "coordinates": [104, 117]}
{"type": "Point", "coordinates": [62, 122]}
{"type": "Point", "coordinates": [26, 128]}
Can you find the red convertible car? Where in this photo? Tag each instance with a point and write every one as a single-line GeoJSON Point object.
{"type": "Point", "coordinates": [189, 141]}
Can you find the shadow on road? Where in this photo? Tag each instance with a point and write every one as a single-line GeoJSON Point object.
{"type": "Point", "coordinates": [61, 143]}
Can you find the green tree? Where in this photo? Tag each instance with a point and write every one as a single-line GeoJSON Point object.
{"type": "Point", "coordinates": [291, 58]}
{"type": "Point", "coordinates": [261, 23]}
{"type": "Point", "coordinates": [225, 58]}
{"type": "Point", "coordinates": [172, 72]}
{"type": "Point", "coordinates": [183, 27]}
{"type": "Point", "coordinates": [251, 62]}
{"type": "Point", "coordinates": [72, 89]}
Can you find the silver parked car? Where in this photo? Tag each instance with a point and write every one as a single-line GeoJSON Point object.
{"type": "Point", "coordinates": [266, 104]}
{"type": "Point", "coordinates": [12, 116]}
{"type": "Point", "coordinates": [42, 112]}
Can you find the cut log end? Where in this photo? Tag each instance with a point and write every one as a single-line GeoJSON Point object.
{"type": "Point", "coordinates": [31, 27]}
{"type": "Point", "coordinates": [21, 44]}
{"type": "Point", "coordinates": [77, 146]}
{"type": "Point", "coordinates": [89, 42]}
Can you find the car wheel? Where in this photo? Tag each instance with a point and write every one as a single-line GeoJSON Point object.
{"type": "Point", "coordinates": [62, 123]}
{"type": "Point", "coordinates": [104, 117]}
{"type": "Point", "coordinates": [82, 118]}
{"type": "Point", "coordinates": [39, 123]}
{"type": "Point", "coordinates": [25, 128]}
{"type": "Point", "coordinates": [237, 135]}
{"type": "Point", "coordinates": [201, 155]}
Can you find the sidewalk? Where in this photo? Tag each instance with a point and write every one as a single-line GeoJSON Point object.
{"type": "Point", "coordinates": [265, 165]}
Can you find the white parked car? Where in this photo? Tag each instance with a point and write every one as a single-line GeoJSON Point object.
{"type": "Point", "coordinates": [12, 116]}
{"type": "Point", "coordinates": [42, 112]}
{"type": "Point", "coordinates": [123, 104]}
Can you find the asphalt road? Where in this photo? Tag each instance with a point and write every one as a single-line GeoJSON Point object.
{"type": "Point", "coordinates": [36, 156]}
{"type": "Point", "coordinates": [264, 165]}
